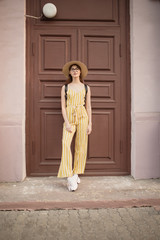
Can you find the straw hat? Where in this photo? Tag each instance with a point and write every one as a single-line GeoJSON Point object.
{"type": "Point", "coordinates": [83, 67]}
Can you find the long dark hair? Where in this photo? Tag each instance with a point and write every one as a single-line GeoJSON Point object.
{"type": "Point", "coordinates": [69, 80]}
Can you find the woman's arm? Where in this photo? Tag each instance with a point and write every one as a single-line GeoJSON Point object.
{"type": "Point", "coordinates": [63, 107]}
{"type": "Point", "coordinates": [89, 110]}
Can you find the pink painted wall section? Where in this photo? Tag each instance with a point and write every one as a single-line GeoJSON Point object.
{"type": "Point", "coordinates": [12, 90]}
{"type": "Point", "coordinates": [145, 88]}
{"type": "Point", "coordinates": [147, 143]}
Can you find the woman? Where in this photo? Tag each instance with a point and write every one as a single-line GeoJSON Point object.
{"type": "Point", "coordinates": [76, 111]}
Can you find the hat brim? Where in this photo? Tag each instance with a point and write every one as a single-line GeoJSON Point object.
{"type": "Point", "coordinates": [84, 70]}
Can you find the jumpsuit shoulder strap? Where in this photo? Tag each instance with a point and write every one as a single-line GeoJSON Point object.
{"type": "Point", "coordinates": [66, 89]}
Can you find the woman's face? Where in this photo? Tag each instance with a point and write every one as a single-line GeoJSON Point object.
{"type": "Point", "coordinates": [75, 71]}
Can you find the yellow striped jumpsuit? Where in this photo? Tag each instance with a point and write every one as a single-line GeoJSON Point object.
{"type": "Point", "coordinates": [78, 118]}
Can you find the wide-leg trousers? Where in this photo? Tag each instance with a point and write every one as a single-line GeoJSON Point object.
{"type": "Point", "coordinates": [80, 154]}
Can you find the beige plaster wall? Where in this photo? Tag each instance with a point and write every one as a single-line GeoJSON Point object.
{"type": "Point", "coordinates": [145, 81]}
{"type": "Point", "coordinates": [12, 90]}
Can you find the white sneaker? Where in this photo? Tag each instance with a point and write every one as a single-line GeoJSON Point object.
{"type": "Point", "coordinates": [72, 184]}
{"type": "Point", "coordinates": [77, 178]}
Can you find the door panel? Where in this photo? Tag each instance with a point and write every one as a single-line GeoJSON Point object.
{"type": "Point", "coordinates": [97, 43]}
{"type": "Point", "coordinates": [105, 10]}
{"type": "Point", "coordinates": [99, 48]}
{"type": "Point", "coordinates": [101, 140]}
{"type": "Point", "coordinates": [52, 49]}
{"type": "Point", "coordinates": [100, 53]}
{"type": "Point", "coordinates": [55, 48]}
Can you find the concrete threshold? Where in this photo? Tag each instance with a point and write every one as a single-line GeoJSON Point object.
{"type": "Point", "coordinates": [93, 192]}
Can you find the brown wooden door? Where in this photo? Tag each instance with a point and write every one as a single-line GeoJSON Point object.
{"type": "Point", "coordinates": [99, 39]}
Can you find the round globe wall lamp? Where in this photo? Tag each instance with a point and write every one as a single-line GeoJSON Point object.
{"type": "Point", "coordinates": [49, 11]}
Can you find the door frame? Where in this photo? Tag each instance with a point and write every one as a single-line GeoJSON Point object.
{"type": "Point", "coordinates": [30, 146]}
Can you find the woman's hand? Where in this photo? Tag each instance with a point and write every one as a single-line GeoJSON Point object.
{"type": "Point", "coordinates": [68, 127]}
{"type": "Point", "coordinates": [89, 129]}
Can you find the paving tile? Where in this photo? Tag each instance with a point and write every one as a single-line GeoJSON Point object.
{"type": "Point", "coordinates": [82, 224]}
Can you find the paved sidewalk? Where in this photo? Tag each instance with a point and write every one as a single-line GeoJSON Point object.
{"type": "Point", "coordinates": [93, 192]}
{"type": "Point", "coordinates": [101, 208]}
{"type": "Point", "coordinates": [83, 224]}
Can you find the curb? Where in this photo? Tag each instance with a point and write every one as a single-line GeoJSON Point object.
{"type": "Point", "coordinates": [80, 205]}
